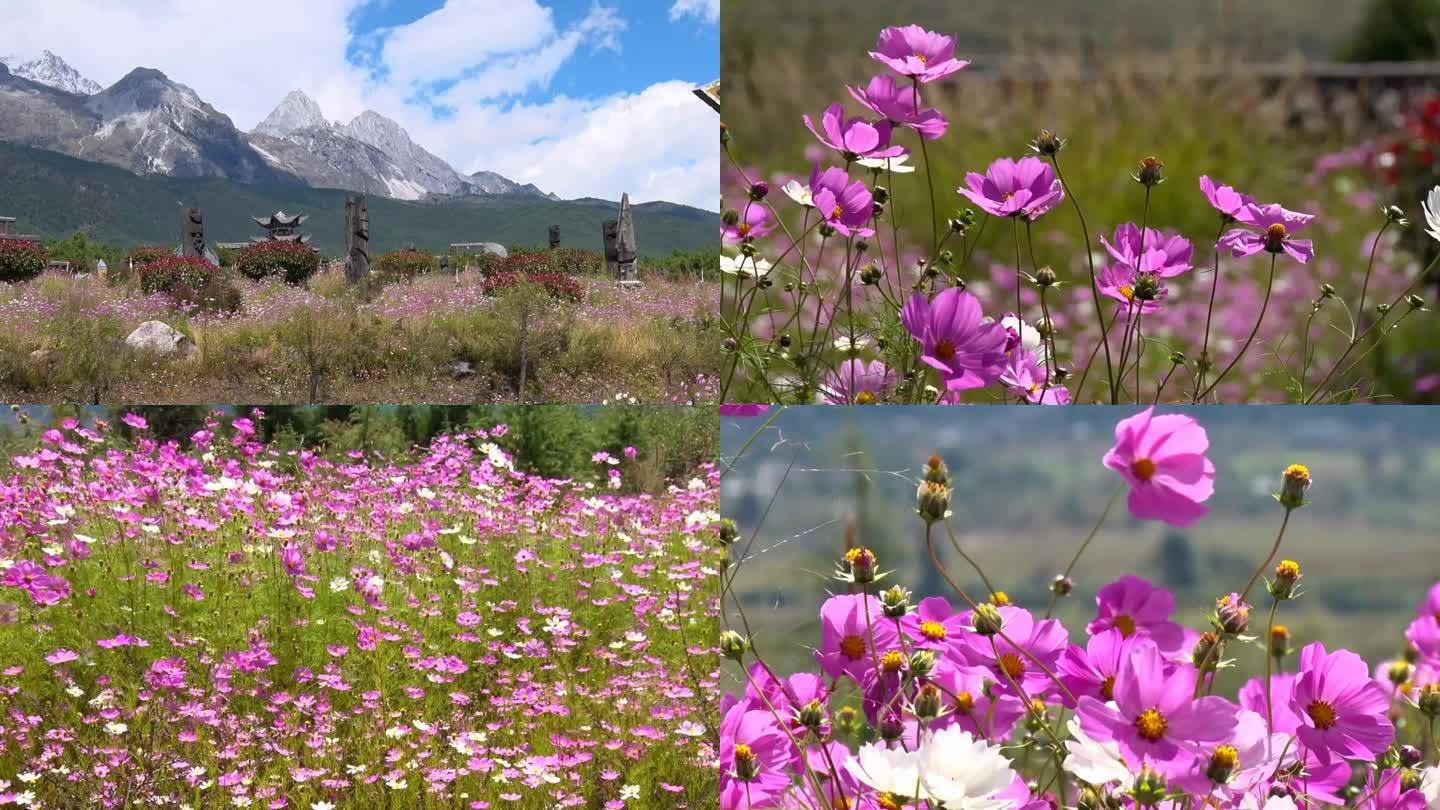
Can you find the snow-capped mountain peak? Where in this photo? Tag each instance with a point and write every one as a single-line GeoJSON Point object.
{"type": "Point", "coordinates": [52, 71]}
{"type": "Point", "coordinates": [296, 111]}
{"type": "Point", "coordinates": [382, 133]}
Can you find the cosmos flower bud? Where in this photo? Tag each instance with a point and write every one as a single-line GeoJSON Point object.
{"type": "Point", "coordinates": [1395, 214]}
{"type": "Point", "coordinates": [759, 190]}
{"type": "Point", "coordinates": [1287, 574]}
{"type": "Point", "coordinates": [1327, 291]}
{"type": "Point", "coordinates": [733, 645]}
{"type": "Point", "coordinates": [785, 340]}
{"type": "Point", "coordinates": [895, 601]}
{"type": "Point", "coordinates": [893, 662]}
{"type": "Point", "coordinates": [880, 194]}
{"type": "Point", "coordinates": [927, 702]}
{"type": "Point", "coordinates": [1062, 585]}
{"type": "Point", "coordinates": [1149, 788]}
{"type": "Point", "coordinates": [1223, 762]}
{"type": "Point", "coordinates": [859, 564]}
{"type": "Point", "coordinates": [987, 619]}
{"type": "Point", "coordinates": [1035, 715]}
{"type": "Point", "coordinates": [1294, 483]}
{"type": "Point", "coordinates": [826, 230]}
{"type": "Point", "coordinates": [747, 765]}
{"type": "Point", "coordinates": [958, 226]}
{"type": "Point", "coordinates": [1202, 655]}
{"type": "Point", "coordinates": [1415, 302]}
{"type": "Point", "coordinates": [1429, 700]}
{"type": "Point", "coordinates": [1410, 654]}
{"type": "Point", "coordinates": [812, 716]}
{"type": "Point", "coordinates": [892, 727]}
{"type": "Point", "coordinates": [932, 501]}
{"type": "Point", "coordinates": [724, 134]}
{"type": "Point", "coordinates": [1178, 358]}
{"type": "Point", "coordinates": [1147, 287]}
{"type": "Point", "coordinates": [1410, 756]}
{"type": "Point", "coordinates": [921, 663]}
{"type": "Point", "coordinates": [1382, 309]}
{"type": "Point", "coordinates": [729, 344]}
{"type": "Point", "coordinates": [936, 471]}
{"type": "Point", "coordinates": [870, 275]}
{"type": "Point", "coordinates": [728, 532]}
{"type": "Point", "coordinates": [847, 719]}
{"type": "Point", "coordinates": [1409, 779]}
{"type": "Point", "coordinates": [730, 217]}
{"type": "Point", "coordinates": [862, 245]}
{"type": "Point", "coordinates": [1232, 615]}
{"type": "Point", "coordinates": [1000, 599]}
{"type": "Point", "coordinates": [1398, 672]}
{"type": "Point", "coordinates": [1150, 172]}
{"type": "Point", "coordinates": [1045, 277]}
{"type": "Point", "coordinates": [1090, 799]}
{"type": "Point", "coordinates": [1279, 641]}
{"type": "Point", "coordinates": [1048, 143]}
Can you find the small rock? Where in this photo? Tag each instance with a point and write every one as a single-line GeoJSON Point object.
{"type": "Point", "coordinates": [460, 370]}
{"type": "Point", "coordinates": [43, 358]}
{"type": "Point", "coordinates": [495, 249]}
{"type": "Point", "coordinates": [159, 337]}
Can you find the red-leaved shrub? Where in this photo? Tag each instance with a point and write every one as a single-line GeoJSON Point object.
{"type": "Point", "coordinates": [20, 260]}
{"type": "Point", "coordinates": [559, 286]}
{"type": "Point", "coordinates": [291, 261]}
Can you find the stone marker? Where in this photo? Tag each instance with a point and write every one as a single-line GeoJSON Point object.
{"type": "Point", "coordinates": [610, 231]}
{"type": "Point", "coordinates": [192, 236]}
{"type": "Point", "coordinates": [554, 236]}
{"type": "Point", "coordinates": [159, 337]}
{"type": "Point", "coordinates": [357, 239]}
{"type": "Point", "coordinates": [491, 248]}
{"type": "Point", "coordinates": [626, 254]}
{"type": "Point", "coordinates": [102, 270]}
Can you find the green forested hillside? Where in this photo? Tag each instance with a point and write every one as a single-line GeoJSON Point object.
{"type": "Point", "coordinates": [55, 195]}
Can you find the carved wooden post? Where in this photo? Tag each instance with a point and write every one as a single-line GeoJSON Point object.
{"type": "Point", "coordinates": [357, 239]}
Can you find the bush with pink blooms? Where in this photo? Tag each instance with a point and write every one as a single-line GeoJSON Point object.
{"type": "Point", "coordinates": [966, 698]}
{"type": "Point", "coordinates": [1035, 276]}
{"type": "Point", "coordinates": [291, 262]}
{"type": "Point", "coordinates": [20, 260]}
{"type": "Point", "coordinates": [231, 623]}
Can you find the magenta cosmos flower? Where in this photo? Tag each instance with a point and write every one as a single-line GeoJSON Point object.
{"type": "Point", "coordinates": [1137, 608]}
{"type": "Point", "coordinates": [744, 409]}
{"type": "Point", "coordinates": [1155, 717]}
{"type": "Point", "coordinates": [857, 381]}
{"type": "Point", "coordinates": [845, 635]}
{"type": "Point", "coordinates": [1044, 641]}
{"type": "Point", "coordinates": [1274, 228]}
{"type": "Point", "coordinates": [845, 206]}
{"type": "Point", "coordinates": [1025, 377]}
{"type": "Point", "coordinates": [755, 223]}
{"type": "Point", "coordinates": [1118, 281]}
{"type": "Point", "coordinates": [754, 755]}
{"type": "Point", "coordinates": [854, 138]}
{"type": "Point", "coordinates": [1342, 711]}
{"type": "Point", "coordinates": [1224, 199]}
{"type": "Point", "coordinates": [916, 53]}
{"type": "Point", "coordinates": [933, 625]}
{"type": "Point", "coordinates": [1092, 669]}
{"type": "Point", "coordinates": [1025, 188]}
{"type": "Point", "coordinates": [1163, 460]}
{"type": "Point", "coordinates": [900, 105]}
{"type": "Point", "coordinates": [1175, 251]}
{"type": "Point", "coordinates": [956, 339]}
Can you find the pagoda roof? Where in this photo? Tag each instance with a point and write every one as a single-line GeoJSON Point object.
{"type": "Point", "coordinates": [280, 219]}
{"type": "Point", "coordinates": [289, 237]}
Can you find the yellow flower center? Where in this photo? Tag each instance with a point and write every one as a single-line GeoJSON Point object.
{"type": "Point", "coordinates": [1322, 713]}
{"type": "Point", "coordinates": [932, 631]}
{"type": "Point", "coordinates": [1288, 569]}
{"type": "Point", "coordinates": [1295, 472]}
{"type": "Point", "coordinates": [838, 802]}
{"type": "Point", "coordinates": [852, 647]}
{"type": "Point", "coordinates": [1013, 666]}
{"type": "Point", "coordinates": [1107, 687]}
{"type": "Point", "coordinates": [1000, 599]}
{"type": "Point", "coordinates": [1127, 292]}
{"type": "Point", "coordinates": [865, 398]}
{"type": "Point", "coordinates": [743, 228]}
{"type": "Point", "coordinates": [743, 754]}
{"type": "Point", "coordinates": [1124, 623]}
{"type": "Point", "coordinates": [1225, 757]}
{"type": "Point", "coordinates": [892, 661]}
{"type": "Point", "coordinates": [922, 58]}
{"type": "Point", "coordinates": [836, 211]}
{"type": "Point", "coordinates": [1143, 468]}
{"type": "Point", "coordinates": [1276, 233]}
{"type": "Point", "coordinates": [964, 703]}
{"type": "Point", "coordinates": [1151, 724]}
{"type": "Point", "coordinates": [887, 802]}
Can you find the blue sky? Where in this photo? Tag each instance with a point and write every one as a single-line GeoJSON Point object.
{"type": "Point", "coordinates": [580, 97]}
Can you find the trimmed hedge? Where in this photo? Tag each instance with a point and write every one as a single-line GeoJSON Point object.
{"type": "Point", "coordinates": [404, 265]}
{"type": "Point", "coordinates": [559, 286]}
{"type": "Point", "coordinates": [292, 261]}
{"type": "Point", "coordinates": [190, 282]}
{"type": "Point", "coordinates": [20, 260]}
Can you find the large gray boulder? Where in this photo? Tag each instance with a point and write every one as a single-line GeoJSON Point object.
{"type": "Point", "coordinates": [160, 338]}
{"type": "Point", "coordinates": [494, 249]}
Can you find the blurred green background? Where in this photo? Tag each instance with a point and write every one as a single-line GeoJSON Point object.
{"type": "Point", "coordinates": [1029, 484]}
{"type": "Point", "coordinates": [1217, 87]}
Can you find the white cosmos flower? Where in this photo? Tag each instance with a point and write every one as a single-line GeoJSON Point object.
{"type": "Point", "coordinates": [1431, 207]}
{"type": "Point", "coordinates": [799, 193]}
{"type": "Point", "coordinates": [888, 770]}
{"type": "Point", "coordinates": [321, 806]}
{"type": "Point", "coordinates": [898, 164]}
{"type": "Point", "coordinates": [1095, 762]}
{"type": "Point", "coordinates": [1430, 787]}
{"type": "Point", "coordinates": [748, 266]}
{"type": "Point", "coordinates": [115, 729]}
{"type": "Point", "coordinates": [964, 772]}
{"type": "Point", "coordinates": [1029, 335]}
{"type": "Point", "coordinates": [1280, 803]}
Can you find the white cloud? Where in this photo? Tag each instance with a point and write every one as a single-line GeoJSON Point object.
{"type": "Point", "coordinates": [657, 143]}
{"type": "Point", "coordinates": [707, 10]}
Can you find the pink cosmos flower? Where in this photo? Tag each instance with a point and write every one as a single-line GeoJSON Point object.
{"type": "Point", "coordinates": [1092, 669]}
{"type": "Point", "coordinates": [754, 758]}
{"type": "Point", "coordinates": [974, 705]}
{"type": "Point", "coordinates": [1224, 199]}
{"type": "Point", "coordinates": [1044, 641]}
{"type": "Point", "coordinates": [916, 53]}
{"type": "Point", "coordinates": [900, 105]}
{"type": "Point", "coordinates": [1175, 250]}
{"type": "Point", "coordinates": [1155, 717]}
{"type": "Point", "coordinates": [1118, 281]}
{"type": "Point", "coordinates": [1025, 188]}
{"type": "Point", "coordinates": [1342, 712]}
{"type": "Point", "coordinates": [853, 138]}
{"type": "Point", "coordinates": [956, 339]}
{"type": "Point", "coordinates": [744, 409]}
{"type": "Point", "coordinates": [1135, 607]}
{"type": "Point", "coordinates": [61, 656]}
{"type": "Point", "coordinates": [755, 223]}
{"type": "Point", "coordinates": [1282, 686]}
{"type": "Point", "coordinates": [1163, 460]}
{"type": "Point", "coordinates": [862, 382]}
{"type": "Point", "coordinates": [1025, 377]}
{"type": "Point", "coordinates": [1275, 227]}
{"type": "Point", "coordinates": [933, 625]}
{"type": "Point", "coordinates": [845, 636]}
{"type": "Point", "coordinates": [845, 206]}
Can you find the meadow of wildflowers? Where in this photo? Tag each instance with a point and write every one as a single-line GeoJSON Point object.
{"type": "Point", "coordinates": [836, 292]}
{"type": "Point", "coordinates": [222, 622]}
{"type": "Point", "coordinates": [966, 698]}
{"type": "Point", "coordinates": [437, 338]}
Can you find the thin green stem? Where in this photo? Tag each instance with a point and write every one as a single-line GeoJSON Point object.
{"type": "Point", "coordinates": [1075, 558]}
{"type": "Point", "coordinates": [1264, 305]}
